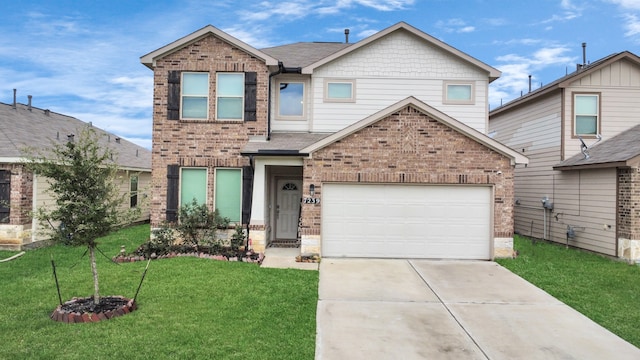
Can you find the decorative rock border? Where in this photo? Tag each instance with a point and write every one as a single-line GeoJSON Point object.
{"type": "Point", "coordinates": [134, 258]}
{"type": "Point", "coordinates": [66, 316]}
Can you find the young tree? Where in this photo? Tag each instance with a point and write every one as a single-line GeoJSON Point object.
{"type": "Point", "coordinates": [83, 181]}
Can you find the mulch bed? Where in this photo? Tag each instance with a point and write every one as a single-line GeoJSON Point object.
{"type": "Point", "coordinates": [249, 257]}
{"type": "Point", "coordinates": [82, 310]}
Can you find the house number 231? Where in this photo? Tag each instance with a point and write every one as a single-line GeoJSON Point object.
{"type": "Point", "coordinates": [310, 200]}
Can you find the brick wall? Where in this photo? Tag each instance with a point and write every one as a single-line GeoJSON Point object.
{"type": "Point", "coordinates": [21, 194]}
{"type": "Point", "coordinates": [629, 203]}
{"type": "Point", "coordinates": [410, 147]}
{"type": "Point", "coordinates": [201, 143]}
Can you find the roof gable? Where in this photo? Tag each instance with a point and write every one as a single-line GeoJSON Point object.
{"type": "Point", "coordinates": [567, 80]}
{"type": "Point", "coordinates": [402, 26]}
{"type": "Point", "coordinates": [149, 60]}
{"type": "Point", "coordinates": [516, 157]}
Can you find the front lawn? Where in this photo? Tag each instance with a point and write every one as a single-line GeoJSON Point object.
{"type": "Point", "coordinates": [187, 307]}
{"type": "Point", "coordinates": [605, 290]}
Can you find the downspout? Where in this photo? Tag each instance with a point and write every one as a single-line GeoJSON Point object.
{"type": "Point", "coordinates": [271, 75]}
{"type": "Point", "coordinates": [253, 170]}
{"type": "Point", "coordinates": [281, 70]}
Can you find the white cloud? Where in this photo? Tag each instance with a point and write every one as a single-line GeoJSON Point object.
{"type": "Point", "coordinates": [517, 68]}
{"type": "Point", "coordinates": [626, 4]}
{"type": "Point", "coordinates": [454, 26]}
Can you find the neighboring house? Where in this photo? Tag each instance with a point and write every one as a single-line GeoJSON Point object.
{"type": "Point", "coordinates": [22, 192]}
{"type": "Point", "coordinates": [592, 202]}
{"type": "Point", "coordinates": [371, 149]}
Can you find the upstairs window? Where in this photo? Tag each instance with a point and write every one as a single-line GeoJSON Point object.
{"type": "Point", "coordinates": [458, 93]}
{"type": "Point", "coordinates": [291, 100]}
{"type": "Point", "coordinates": [586, 112]}
{"type": "Point", "coordinates": [195, 96]}
{"type": "Point", "coordinates": [230, 96]}
{"type": "Point", "coordinates": [339, 91]}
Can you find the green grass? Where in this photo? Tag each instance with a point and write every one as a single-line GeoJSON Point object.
{"type": "Point", "coordinates": [605, 290]}
{"type": "Point", "coordinates": [187, 307]}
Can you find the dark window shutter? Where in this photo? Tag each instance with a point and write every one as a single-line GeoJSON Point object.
{"type": "Point", "coordinates": [250, 96]}
{"type": "Point", "coordinates": [247, 193]}
{"type": "Point", "coordinates": [173, 183]}
{"type": "Point", "coordinates": [173, 96]}
{"type": "Point", "coordinates": [5, 196]}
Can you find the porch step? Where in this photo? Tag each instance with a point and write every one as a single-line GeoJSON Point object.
{"type": "Point", "coordinates": [284, 244]}
{"type": "Point", "coordinates": [10, 244]}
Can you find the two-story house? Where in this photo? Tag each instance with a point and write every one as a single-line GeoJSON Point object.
{"type": "Point", "coordinates": [582, 136]}
{"type": "Point", "coordinates": [22, 192]}
{"type": "Point", "coordinates": [370, 149]}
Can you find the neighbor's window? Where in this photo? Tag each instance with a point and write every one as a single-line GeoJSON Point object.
{"type": "Point", "coordinates": [5, 196]}
{"type": "Point", "coordinates": [230, 96]}
{"type": "Point", "coordinates": [195, 96]}
{"type": "Point", "coordinates": [586, 112]}
{"type": "Point", "coordinates": [133, 191]}
{"type": "Point", "coordinates": [339, 91]}
{"type": "Point", "coordinates": [458, 93]}
{"type": "Point", "coordinates": [228, 194]}
{"type": "Point", "coordinates": [291, 99]}
{"type": "Point", "coordinates": [193, 185]}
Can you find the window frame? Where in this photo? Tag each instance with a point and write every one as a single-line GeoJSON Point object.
{"type": "Point", "coordinates": [181, 184]}
{"type": "Point", "coordinates": [182, 95]}
{"type": "Point", "coordinates": [328, 99]}
{"type": "Point", "coordinates": [445, 93]}
{"type": "Point", "coordinates": [278, 98]}
{"type": "Point", "coordinates": [5, 178]}
{"type": "Point", "coordinates": [133, 193]}
{"type": "Point", "coordinates": [240, 189]}
{"type": "Point", "coordinates": [574, 115]}
{"type": "Point", "coordinates": [241, 96]}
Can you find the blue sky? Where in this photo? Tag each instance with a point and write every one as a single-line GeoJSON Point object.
{"type": "Point", "coordinates": [82, 58]}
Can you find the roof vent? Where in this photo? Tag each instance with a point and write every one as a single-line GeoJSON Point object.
{"type": "Point", "coordinates": [346, 36]}
{"type": "Point", "coordinates": [30, 97]}
{"type": "Point", "coordinates": [70, 137]}
{"type": "Point", "coordinates": [14, 98]}
{"type": "Point", "coordinates": [118, 140]}
{"type": "Point", "coordinates": [47, 112]}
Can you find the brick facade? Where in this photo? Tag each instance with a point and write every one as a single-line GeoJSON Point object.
{"type": "Point", "coordinates": [410, 147]}
{"type": "Point", "coordinates": [629, 203]}
{"type": "Point", "coordinates": [207, 143]}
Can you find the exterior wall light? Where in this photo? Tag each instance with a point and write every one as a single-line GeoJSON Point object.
{"type": "Point", "coordinates": [312, 190]}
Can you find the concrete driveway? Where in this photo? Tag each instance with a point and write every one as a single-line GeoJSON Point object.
{"type": "Point", "coordinates": [423, 309]}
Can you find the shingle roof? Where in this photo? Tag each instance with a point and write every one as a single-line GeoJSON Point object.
{"type": "Point", "coordinates": [565, 80]}
{"type": "Point", "coordinates": [21, 127]}
{"type": "Point", "coordinates": [620, 150]}
{"type": "Point", "coordinates": [282, 142]}
{"type": "Point", "coordinates": [302, 54]}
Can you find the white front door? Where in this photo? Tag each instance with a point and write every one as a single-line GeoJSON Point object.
{"type": "Point", "coordinates": [288, 200]}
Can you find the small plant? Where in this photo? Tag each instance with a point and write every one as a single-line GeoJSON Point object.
{"type": "Point", "coordinates": [237, 239]}
{"type": "Point", "coordinates": [197, 225]}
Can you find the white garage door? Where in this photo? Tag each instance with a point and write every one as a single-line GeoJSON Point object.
{"type": "Point", "coordinates": [406, 221]}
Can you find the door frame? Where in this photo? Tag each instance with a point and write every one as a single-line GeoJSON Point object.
{"type": "Point", "coordinates": [274, 201]}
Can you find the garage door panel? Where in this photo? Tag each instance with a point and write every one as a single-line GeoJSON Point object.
{"type": "Point", "coordinates": [408, 221]}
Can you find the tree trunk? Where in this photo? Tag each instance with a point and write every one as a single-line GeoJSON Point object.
{"type": "Point", "coordinates": [94, 270]}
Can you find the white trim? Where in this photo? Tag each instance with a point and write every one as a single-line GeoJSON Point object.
{"type": "Point", "coordinates": [215, 184]}
{"type": "Point", "coordinates": [445, 93]}
{"type": "Point", "coordinates": [516, 157]}
{"type": "Point", "coordinates": [182, 95]}
{"type": "Point", "coordinates": [492, 72]}
{"type": "Point", "coordinates": [325, 91]}
{"type": "Point", "coordinates": [150, 59]}
{"type": "Point", "coordinates": [305, 86]}
{"type": "Point", "coordinates": [242, 97]}
{"type": "Point", "coordinates": [206, 190]}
